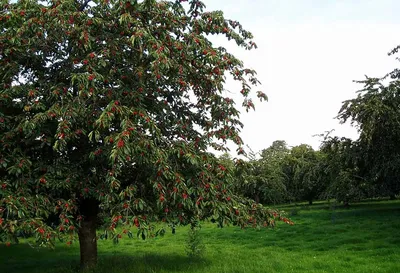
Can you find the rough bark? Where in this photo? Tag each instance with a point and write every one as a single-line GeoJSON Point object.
{"type": "Point", "coordinates": [87, 233]}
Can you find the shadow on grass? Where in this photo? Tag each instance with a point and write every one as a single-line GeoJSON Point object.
{"type": "Point", "coordinates": [23, 258]}
{"type": "Point", "coordinates": [368, 230]}
{"type": "Point", "coordinates": [149, 262]}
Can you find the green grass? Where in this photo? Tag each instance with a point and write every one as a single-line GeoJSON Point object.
{"type": "Point", "coordinates": [364, 238]}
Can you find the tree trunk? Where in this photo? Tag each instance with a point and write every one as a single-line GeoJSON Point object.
{"type": "Point", "coordinates": [392, 197]}
{"type": "Point", "coordinates": [257, 198]}
{"type": "Point", "coordinates": [310, 202]}
{"type": "Point", "coordinates": [87, 233]}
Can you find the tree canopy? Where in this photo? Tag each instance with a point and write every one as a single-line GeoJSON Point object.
{"type": "Point", "coordinates": [109, 108]}
{"type": "Point", "coordinates": [376, 114]}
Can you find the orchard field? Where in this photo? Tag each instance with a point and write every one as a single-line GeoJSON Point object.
{"type": "Point", "coordinates": [116, 115]}
{"type": "Point", "coordinates": [325, 238]}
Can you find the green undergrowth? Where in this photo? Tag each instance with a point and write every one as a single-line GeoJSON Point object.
{"type": "Point", "coordinates": [325, 238]}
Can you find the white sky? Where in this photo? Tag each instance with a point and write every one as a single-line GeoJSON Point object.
{"type": "Point", "coordinates": [309, 53]}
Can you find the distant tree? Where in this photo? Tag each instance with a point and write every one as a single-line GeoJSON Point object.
{"type": "Point", "coordinates": [376, 114]}
{"type": "Point", "coordinates": [343, 170]}
{"type": "Point", "coordinates": [303, 173]}
{"type": "Point", "coordinates": [226, 160]}
{"type": "Point", "coordinates": [107, 108]}
{"type": "Point", "coordinates": [272, 160]}
{"type": "Point", "coordinates": [261, 178]}
{"type": "Point", "coordinates": [277, 151]}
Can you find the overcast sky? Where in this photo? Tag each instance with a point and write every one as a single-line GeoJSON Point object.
{"type": "Point", "coordinates": [309, 52]}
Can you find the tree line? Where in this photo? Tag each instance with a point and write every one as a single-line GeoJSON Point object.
{"type": "Point", "coordinates": [343, 169]}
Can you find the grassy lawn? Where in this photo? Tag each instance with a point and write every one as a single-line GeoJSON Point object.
{"type": "Point", "coordinates": [364, 238]}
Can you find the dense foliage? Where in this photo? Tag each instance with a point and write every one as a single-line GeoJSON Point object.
{"type": "Point", "coordinates": [376, 113]}
{"type": "Point", "coordinates": [107, 111]}
{"type": "Point", "coordinates": [281, 174]}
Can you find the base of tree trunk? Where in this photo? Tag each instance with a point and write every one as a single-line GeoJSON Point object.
{"type": "Point", "coordinates": [88, 244]}
{"type": "Point", "coordinates": [87, 234]}
{"type": "Point", "coordinates": [310, 202]}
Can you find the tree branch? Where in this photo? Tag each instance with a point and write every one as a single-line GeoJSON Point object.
{"type": "Point", "coordinates": [84, 5]}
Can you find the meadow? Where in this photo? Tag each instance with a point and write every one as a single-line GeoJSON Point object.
{"type": "Point", "coordinates": [325, 238]}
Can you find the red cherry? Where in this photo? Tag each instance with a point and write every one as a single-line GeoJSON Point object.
{"type": "Point", "coordinates": [120, 143]}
